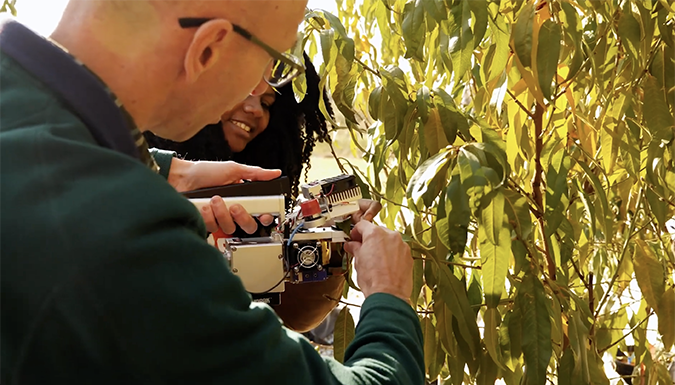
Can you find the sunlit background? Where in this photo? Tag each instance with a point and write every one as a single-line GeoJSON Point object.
{"type": "Point", "coordinates": [43, 15]}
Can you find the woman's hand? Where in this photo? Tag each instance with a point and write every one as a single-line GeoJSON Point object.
{"type": "Point", "coordinates": [186, 176]}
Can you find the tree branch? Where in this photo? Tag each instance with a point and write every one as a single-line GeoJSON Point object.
{"type": "Point", "coordinates": [537, 195]}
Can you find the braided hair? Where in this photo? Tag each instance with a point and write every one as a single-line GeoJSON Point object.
{"type": "Point", "coordinates": [286, 144]}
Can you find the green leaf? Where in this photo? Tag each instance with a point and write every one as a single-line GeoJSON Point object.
{"type": "Point", "coordinates": [479, 9]}
{"type": "Point", "coordinates": [492, 216]}
{"type": "Point", "coordinates": [666, 314]}
{"type": "Point", "coordinates": [488, 372]}
{"type": "Point", "coordinates": [444, 326]}
{"type": "Point", "coordinates": [494, 260]}
{"type": "Point", "coordinates": [537, 347]}
{"type": "Point", "coordinates": [596, 369]}
{"type": "Point", "coordinates": [578, 337]}
{"type": "Point", "coordinates": [374, 103]}
{"type": "Point", "coordinates": [452, 230]}
{"type": "Point", "coordinates": [436, 9]}
{"type": "Point", "coordinates": [423, 103]}
{"type": "Point", "coordinates": [491, 336]}
{"type": "Point", "coordinates": [556, 187]}
{"type": "Point", "coordinates": [522, 35]}
{"type": "Point", "coordinates": [548, 51]}
{"type": "Point", "coordinates": [518, 212]}
{"type": "Point", "coordinates": [419, 183]}
{"type": "Point", "coordinates": [497, 64]}
{"type": "Point", "coordinates": [629, 31]}
{"type": "Point", "coordinates": [413, 28]}
{"type": "Point", "coordinates": [658, 206]}
{"type": "Point", "coordinates": [566, 369]}
{"type": "Point", "coordinates": [649, 273]}
{"type": "Point", "coordinates": [461, 38]}
{"type": "Point", "coordinates": [343, 334]}
{"type": "Point", "coordinates": [432, 358]}
{"type": "Point", "coordinates": [454, 295]}
{"type": "Point", "coordinates": [601, 197]}
{"type": "Point", "coordinates": [452, 121]}
{"type": "Point", "coordinates": [656, 112]}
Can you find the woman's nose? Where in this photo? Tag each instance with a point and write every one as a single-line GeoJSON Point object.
{"type": "Point", "coordinates": [252, 106]}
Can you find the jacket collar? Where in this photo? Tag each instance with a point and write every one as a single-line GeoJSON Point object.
{"type": "Point", "coordinates": [84, 94]}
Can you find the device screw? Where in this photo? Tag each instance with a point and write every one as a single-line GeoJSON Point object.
{"type": "Point", "coordinates": [234, 248]}
{"type": "Point", "coordinates": [319, 267]}
{"type": "Point", "coordinates": [281, 256]}
{"type": "Point", "coordinates": [295, 246]}
{"type": "Point", "coordinates": [296, 269]}
{"type": "Point", "coordinates": [318, 244]}
{"type": "Point", "coordinates": [235, 270]}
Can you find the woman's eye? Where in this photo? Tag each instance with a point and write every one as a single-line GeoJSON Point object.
{"type": "Point", "coordinates": [266, 106]}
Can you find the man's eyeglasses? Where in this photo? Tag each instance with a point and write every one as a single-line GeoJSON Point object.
{"type": "Point", "coordinates": [286, 66]}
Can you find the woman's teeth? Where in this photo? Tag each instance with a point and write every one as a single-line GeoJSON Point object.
{"type": "Point", "coordinates": [241, 125]}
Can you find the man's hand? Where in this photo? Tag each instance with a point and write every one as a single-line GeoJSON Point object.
{"type": "Point", "coordinates": [186, 176]}
{"type": "Point", "coordinates": [368, 210]}
{"type": "Point", "coordinates": [381, 259]}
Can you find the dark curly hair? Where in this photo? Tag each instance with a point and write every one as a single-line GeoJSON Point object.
{"type": "Point", "coordinates": [287, 142]}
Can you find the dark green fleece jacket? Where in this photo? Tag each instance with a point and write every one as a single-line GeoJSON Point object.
{"type": "Point", "coordinates": [107, 278]}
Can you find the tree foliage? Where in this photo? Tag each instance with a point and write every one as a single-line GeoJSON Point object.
{"type": "Point", "coordinates": [526, 150]}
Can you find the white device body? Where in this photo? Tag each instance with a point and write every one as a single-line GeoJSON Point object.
{"type": "Point", "coordinates": [259, 262]}
{"type": "Point", "coordinates": [273, 204]}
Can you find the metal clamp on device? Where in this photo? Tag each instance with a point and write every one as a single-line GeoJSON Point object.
{"type": "Point", "coordinates": [305, 246]}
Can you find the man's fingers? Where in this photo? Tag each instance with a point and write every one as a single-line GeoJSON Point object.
{"type": "Point", "coordinates": [222, 215]}
{"type": "Point", "coordinates": [361, 230]}
{"type": "Point", "coordinates": [352, 247]}
{"type": "Point", "coordinates": [369, 208]}
{"type": "Point", "coordinates": [266, 219]}
{"type": "Point", "coordinates": [209, 219]}
{"type": "Point", "coordinates": [243, 219]}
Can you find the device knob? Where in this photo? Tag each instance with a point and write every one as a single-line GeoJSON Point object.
{"type": "Point", "coordinates": [310, 208]}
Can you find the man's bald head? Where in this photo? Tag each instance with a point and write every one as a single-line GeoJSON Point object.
{"type": "Point", "coordinates": [176, 80]}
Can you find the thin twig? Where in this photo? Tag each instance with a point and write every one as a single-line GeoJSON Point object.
{"type": "Point", "coordinates": [627, 334]}
{"type": "Point", "coordinates": [367, 68]}
{"type": "Point", "coordinates": [449, 263]}
{"type": "Point", "coordinates": [631, 234]}
{"type": "Point", "coordinates": [537, 194]}
{"type": "Point", "coordinates": [522, 107]}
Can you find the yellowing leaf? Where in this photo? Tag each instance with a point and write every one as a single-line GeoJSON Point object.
{"type": "Point", "coordinates": [343, 334]}
{"type": "Point", "coordinates": [649, 273]}
{"type": "Point", "coordinates": [666, 314]}
{"type": "Point", "coordinates": [434, 133]}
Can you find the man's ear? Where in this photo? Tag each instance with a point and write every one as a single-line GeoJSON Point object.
{"type": "Point", "coordinates": [206, 48]}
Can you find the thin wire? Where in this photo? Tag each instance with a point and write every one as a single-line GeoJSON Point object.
{"type": "Point", "coordinates": [275, 286]}
{"type": "Point", "coordinates": [294, 232]}
{"type": "Point", "coordinates": [331, 189]}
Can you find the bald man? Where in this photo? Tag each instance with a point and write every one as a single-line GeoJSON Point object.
{"type": "Point", "coordinates": [106, 274]}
